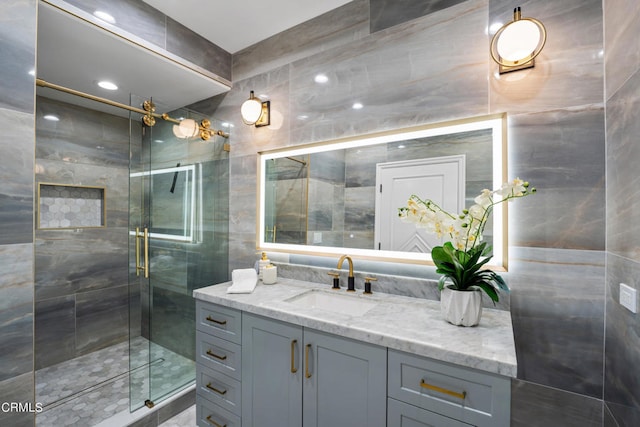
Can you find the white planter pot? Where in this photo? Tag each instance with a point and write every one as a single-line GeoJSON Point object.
{"type": "Point", "coordinates": [461, 308]}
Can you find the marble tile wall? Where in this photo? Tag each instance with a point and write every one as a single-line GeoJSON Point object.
{"type": "Point", "coordinates": [622, 83]}
{"type": "Point", "coordinates": [342, 25]}
{"type": "Point", "coordinates": [17, 32]}
{"type": "Point", "coordinates": [17, 41]}
{"type": "Point", "coordinates": [433, 67]}
{"type": "Point", "coordinates": [533, 405]}
{"type": "Point", "coordinates": [81, 288]}
{"type": "Point", "coordinates": [386, 13]}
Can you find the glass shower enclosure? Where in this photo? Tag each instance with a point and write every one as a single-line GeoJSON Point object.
{"type": "Point", "coordinates": [178, 242]}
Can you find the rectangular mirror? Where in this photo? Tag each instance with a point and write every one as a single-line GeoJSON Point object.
{"type": "Point", "coordinates": [342, 196]}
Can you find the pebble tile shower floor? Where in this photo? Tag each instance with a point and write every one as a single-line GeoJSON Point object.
{"type": "Point", "coordinates": [92, 388]}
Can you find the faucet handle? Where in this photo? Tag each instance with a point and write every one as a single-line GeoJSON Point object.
{"type": "Point", "coordinates": [336, 279]}
{"type": "Point", "coordinates": [367, 284]}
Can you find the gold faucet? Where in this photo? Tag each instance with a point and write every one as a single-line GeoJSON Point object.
{"type": "Point", "coordinates": [350, 280]}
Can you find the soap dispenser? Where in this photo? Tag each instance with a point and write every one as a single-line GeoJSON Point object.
{"type": "Point", "coordinates": [262, 264]}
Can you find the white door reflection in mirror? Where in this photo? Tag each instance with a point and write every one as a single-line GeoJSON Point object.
{"type": "Point", "coordinates": [441, 179]}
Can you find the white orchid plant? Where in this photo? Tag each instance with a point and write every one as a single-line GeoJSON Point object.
{"type": "Point", "coordinates": [460, 260]}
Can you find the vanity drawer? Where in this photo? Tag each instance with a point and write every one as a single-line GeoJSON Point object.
{"type": "Point", "coordinates": [219, 389]}
{"type": "Point", "coordinates": [400, 414]}
{"type": "Point", "coordinates": [468, 395]}
{"type": "Point", "coordinates": [219, 321]}
{"type": "Point", "coordinates": [218, 354]}
{"type": "Point", "coordinates": [208, 414]}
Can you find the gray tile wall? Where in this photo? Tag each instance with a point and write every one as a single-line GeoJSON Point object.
{"type": "Point", "coordinates": [17, 42]}
{"type": "Point", "coordinates": [434, 65]}
{"type": "Point", "coordinates": [622, 83]}
{"type": "Point", "coordinates": [81, 289]}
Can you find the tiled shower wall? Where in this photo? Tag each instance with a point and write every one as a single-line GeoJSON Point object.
{"type": "Point", "coordinates": [18, 42]}
{"type": "Point", "coordinates": [413, 64]}
{"type": "Point", "coordinates": [622, 94]}
{"type": "Point", "coordinates": [81, 289]}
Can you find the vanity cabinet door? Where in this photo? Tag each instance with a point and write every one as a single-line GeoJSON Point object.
{"type": "Point", "coordinates": [272, 372]}
{"type": "Point", "coordinates": [344, 382]}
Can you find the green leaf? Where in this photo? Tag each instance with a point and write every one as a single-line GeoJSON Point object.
{"type": "Point", "coordinates": [489, 290]}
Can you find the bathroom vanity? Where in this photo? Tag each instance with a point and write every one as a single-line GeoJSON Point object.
{"type": "Point", "coordinates": [301, 354]}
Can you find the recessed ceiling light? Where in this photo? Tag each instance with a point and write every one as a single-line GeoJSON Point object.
{"type": "Point", "coordinates": [107, 85]}
{"type": "Point", "coordinates": [106, 17]}
{"type": "Point", "coordinates": [357, 106]}
{"type": "Point", "coordinates": [51, 117]}
{"type": "Point", "coordinates": [302, 117]}
{"type": "Point", "coordinates": [321, 78]}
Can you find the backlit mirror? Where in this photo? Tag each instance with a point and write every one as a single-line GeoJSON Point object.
{"type": "Point", "coordinates": [341, 197]}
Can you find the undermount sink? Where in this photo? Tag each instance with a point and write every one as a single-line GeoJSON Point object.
{"type": "Point", "coordinates": [335, 302]}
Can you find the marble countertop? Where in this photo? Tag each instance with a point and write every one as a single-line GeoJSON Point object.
{"type": "Point", "coordinates": [403, 323]}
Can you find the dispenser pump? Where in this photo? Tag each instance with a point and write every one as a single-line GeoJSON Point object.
{"type": "Point", "coordinates": [262, 264]}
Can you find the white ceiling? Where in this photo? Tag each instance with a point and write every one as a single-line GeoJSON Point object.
{"type": "Point", "coordinates": [236, 24]}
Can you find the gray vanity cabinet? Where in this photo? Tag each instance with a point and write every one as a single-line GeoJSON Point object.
{"type": "Point", "coordinates": [272, 373]}
{"type": "Point", "coordinates": [255, 371]}
{"type": "Point", "coordinates": [293, 376]}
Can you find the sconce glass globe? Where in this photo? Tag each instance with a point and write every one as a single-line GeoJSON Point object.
{"type": "Point", "coordinates": [518, 40]}
{"type": "Point", "coordinates": [188, 128]}
{"type": "Point", "coordinates": [251, 110]}
{"type": "Point", "coordinates": [177, 132]}
{"type": "Point", "coordinates": [517, 43]}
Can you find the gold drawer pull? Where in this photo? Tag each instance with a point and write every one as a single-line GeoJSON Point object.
{"type": "Point", "coordinates": [293, 356]}
{"type": "Point", "coordinates": [443, 390]}
{"type": "Point", "coordinates": [307, 374]}
{"type": "Point", "coordinates": [221, 392]}
{"type": "Point", "coordinates": [212, 354]}
{"type": "Point", "coordinates": [213, 423]}
{"type": "Point", "coordinates": [219, 322]}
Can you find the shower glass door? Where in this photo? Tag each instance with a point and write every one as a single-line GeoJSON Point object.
{"type": "Point", "coordinates": [178, 241]}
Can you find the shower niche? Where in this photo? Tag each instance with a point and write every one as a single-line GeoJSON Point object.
{"type": "Point", "coordinates": [71, 206]}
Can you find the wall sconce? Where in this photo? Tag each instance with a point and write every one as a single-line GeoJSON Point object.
{"type": "Point", "coordinates": [517, 43]}
{"type": "Point", "coordinates": [256, 112]}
